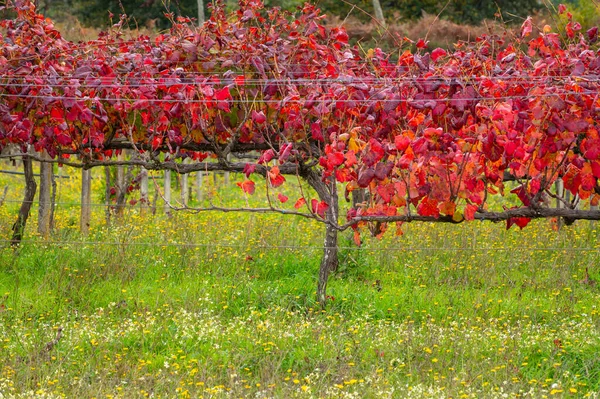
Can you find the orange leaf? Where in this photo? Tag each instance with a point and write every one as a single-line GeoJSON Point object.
{"type": "Point", "coordinates": [356, 238]}
{"type": "Point", "coordinates": [300, 203]}
{"type": "Point", "coordinates": [448, 208]}
{"type": "Point", "coordinates": [247, 186]}
{"type": "Point", "coordinates": [275, 178]}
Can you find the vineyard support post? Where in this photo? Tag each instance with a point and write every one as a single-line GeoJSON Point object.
{"type": "Point", "coordinates": [53, 197]}
{"type": "Point", "coordinates": [559, 187]}
{"type": "Point", "coordinates": [121, 186]}
{"type": "Point", "coordinates": [144, 189]}
{"type": "Point", "coordinates": [226, 179]}
{"type": "Point", "coordinates": [3, 196]}
{"type": "Point", "coordinates": [199, 181]}
{"type": "Point", "coordinates": [167, 191]}
{"type": "Point", "coordinates": [86, 196]}
{"type": "Point", "coordinates": [45, 197]}
{"type": "Point", "coordinates": [107, 194]}
{"type": "Point", "coordinates": [185, 186]}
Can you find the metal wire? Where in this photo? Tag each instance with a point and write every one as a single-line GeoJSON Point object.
{"type": "Point", "coordinates": [295, 101]}
{"type": "Point", "coordinates": [32, 81]}
{"type": "Point", "coordinates": [66, 203]}
{"type": "Point", "coordinates": [254, 246]}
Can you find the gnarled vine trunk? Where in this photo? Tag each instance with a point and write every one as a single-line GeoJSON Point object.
{"type": "Point", "coordinates": [328, 193]}
{"type": "Point", "coordinates": [30, 188]}
{"type": "Point", "coordinates": [329, 262]}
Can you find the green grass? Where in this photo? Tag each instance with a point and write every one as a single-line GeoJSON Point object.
{"type": "Point", "coordinates": [223, 305]}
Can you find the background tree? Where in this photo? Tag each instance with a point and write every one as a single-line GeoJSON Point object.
{"type": "Point", "coordinates": [152, 12]}
{"type": "Point", "coordinates": [465, 11]}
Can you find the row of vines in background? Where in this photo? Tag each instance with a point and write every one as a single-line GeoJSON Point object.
{"type": "Point", "coordinates": [114, 188]}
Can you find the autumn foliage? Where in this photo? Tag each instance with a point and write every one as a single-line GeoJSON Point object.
{"type": "Point", "coordinates": [427, 132]}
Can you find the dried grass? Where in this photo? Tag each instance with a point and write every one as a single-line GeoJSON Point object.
{"type": "Point", "coordinates": [439, 32]}
{"type": "Point", "coordinates": [72, 29]}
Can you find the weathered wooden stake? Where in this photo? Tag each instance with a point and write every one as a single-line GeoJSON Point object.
{"type": "Point", "coordinates": [121, 187]}
{"type": "Point", "coordinates": [226, 178]}
{"type": "Point", "coordinates": [558, 184]}
{"type": "Point", "coordinates": [45, 197]}
{"type": "Point", "coordinates": [3, 196]}
{"type": "Point", "coordinates": [199, 181]}
{"type": "Point", "coordinates": [560, 191]}
{"type": "Point", "coordinates": [53, 197]}
{"type": "Point", "coordinates": [86, 201]}
{"type": "Point", "coordinates": [144, 189]}
{"type": "Point", "coordinates": [167, 191]}
{"type": "Point", "coordinates": [107, 195]}
{"type": "Point", "coordinates": [184, 187]}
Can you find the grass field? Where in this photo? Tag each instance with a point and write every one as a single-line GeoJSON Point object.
{"type": "Point", "coordinates": [223, 305]}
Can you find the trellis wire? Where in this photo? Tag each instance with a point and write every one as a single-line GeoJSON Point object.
{"type": "Point", "coordinates": [292, 101]}
{"type": "Point", "coordinates": [63, 203]}
{"type": "Point", "coordinates": [182, 80]}
{"type": "Point", "coordinates": [296, 247]}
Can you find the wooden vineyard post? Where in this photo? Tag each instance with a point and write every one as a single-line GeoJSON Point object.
{"type": "Point", "coordinates": [144, 189]}
{"type": "Point", "coordinates": [45, 197]}
{"type": "Point", "coordinates": [558, 185]}
{"type": "Point", "coordinates": [3, 196]}
{"type": "Point", "coordinates": [559, 192]}
{"type": "Point", "coordinates": [121, 187]}
{"type": "Point", "coordinates": [86, 195]}
{"type": "Point", "coordinates": [167, 191]}
{"type": "Point", "coordinates": [199, 181]}
{"type": "Point", "coordinates": [107, 194]}
{"type": "Point", "coordinates": [226, 179]}
{"type": "Point", "coordinates": [184, 187]}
